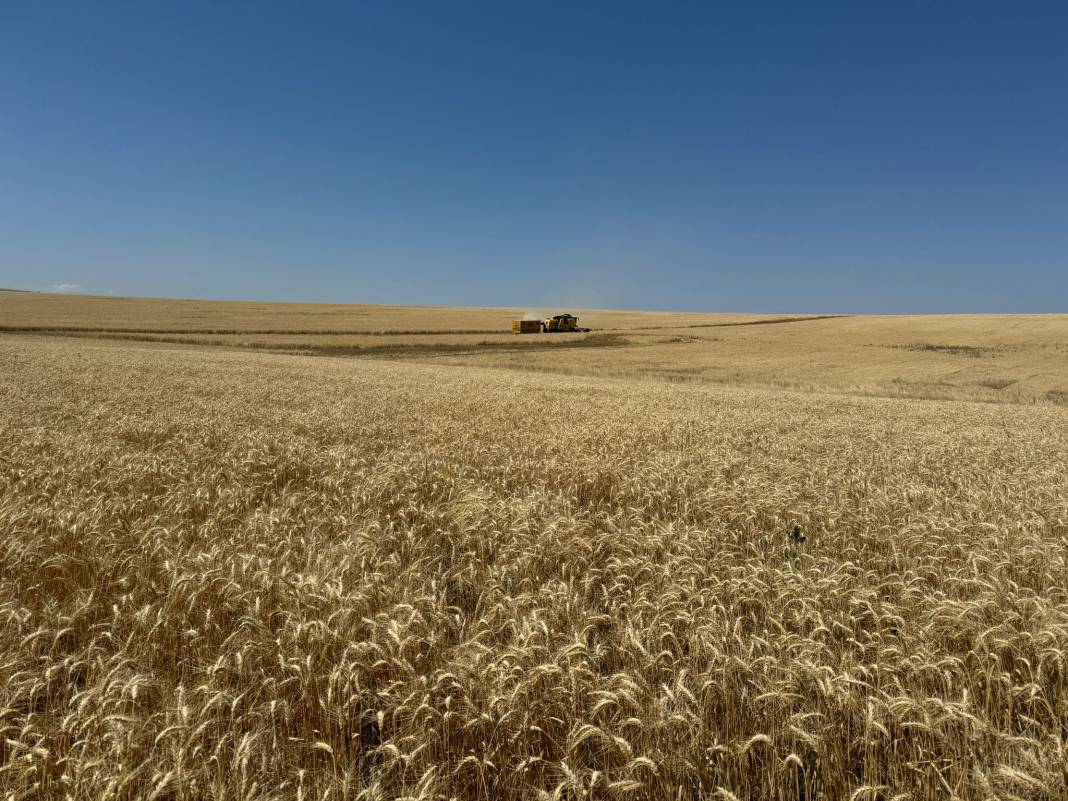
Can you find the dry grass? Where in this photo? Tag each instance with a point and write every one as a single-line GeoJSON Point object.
{"type": "Point", "coordinates": [241, 575]}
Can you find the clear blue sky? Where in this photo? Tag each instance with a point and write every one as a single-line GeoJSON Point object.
{"type": "Point", "coordinates": [853, 157]}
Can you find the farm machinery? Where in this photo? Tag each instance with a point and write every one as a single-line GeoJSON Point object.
{"type": "Point", "coordinates": [557, 324]}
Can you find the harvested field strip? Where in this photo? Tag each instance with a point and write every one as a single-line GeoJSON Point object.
{"type": "Point", "coordinates": [190, 331]}
{"type": "Point", "coordinates": [771, 322]}
{"type": "Point", "coordinates": [953, 350]}
{"type": "Point", "coordinates": [443, 349]}
{"type": "Point", "coordinates": [350, 349]}
{"type": "Point", "coordinates": [774, 321]}
{"type": "Point", "coordinates": [63, 330]}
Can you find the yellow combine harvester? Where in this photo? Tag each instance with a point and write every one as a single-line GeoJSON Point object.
{"type": "Point", "coordinates": [558, 324]}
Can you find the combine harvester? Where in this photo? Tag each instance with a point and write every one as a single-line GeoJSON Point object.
{"type": "Point", "coordinates": [559, 324]}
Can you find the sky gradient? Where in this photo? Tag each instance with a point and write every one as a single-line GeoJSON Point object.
{"type": "Point", "coordinates": [853, 157]}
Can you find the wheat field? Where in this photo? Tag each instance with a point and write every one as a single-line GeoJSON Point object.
{"type": "Point", "coordinates": [106, 314]}
{"type": "Point", "coordinates": [228, 573]}
{"type": "Point", "coordinates": [991, 358]}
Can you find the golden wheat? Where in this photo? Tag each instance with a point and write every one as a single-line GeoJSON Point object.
{"type": "Point", "coordinates": [1012, 359]}
{"type": "Point", "coordinates": [252, 576]}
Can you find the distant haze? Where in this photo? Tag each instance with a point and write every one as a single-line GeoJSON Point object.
{"type": "Point", "coordinates": [908, 157]}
